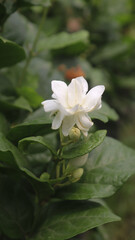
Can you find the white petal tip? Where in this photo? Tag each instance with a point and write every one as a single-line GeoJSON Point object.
{"type": "Point", "coordinates": [102, 87]}
{"type": "Point", "coordinates": [42, 103]}
{"type": "Point", "coordinates": [85, 133]}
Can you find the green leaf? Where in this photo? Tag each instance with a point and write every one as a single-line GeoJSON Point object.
{"type": "Point", "coordinates": [22, 103]}
{"type": "Point", "coordinates": [5, 84]}
{"type": "Point", "coordinates": [64, 40]}
{"type": "Point", "coordinates": [43, 71]}
{"type": "Point", "coordinates": [10, 53]}
{"type": "Point", "coordinates": [105, 113]}
{"type": "Point", "coordinates": [4, 125]}
{"type": "Point", "coordinates": [69, 218]}
{"type": "Point", "coordinates": [110, 51]}
{"type": "Point", "coordinates": [84, 146]}
{"type": "Point", "coordinates": [16, 208]}
{"type": "Point", "coordinates": [9, 104]}
{"type": "Point", "coordinates": [23, 144]}
{"type": "Point", "coordinates": [126, 83]}
{"type": "Point", "coordinates": [40, 157]}
{"type": "Point", "coordinates": [25, 3]}
{"type": "Point", "coordinates": [33, 126]}
{"type": "Point", "coordinates": [9, 154]}
{"type": "Point", "coordinates": [9, 7]}
{"type": "Point", "coordinates": [11, 157]}
{"type": "Point", "coordinates": [15, 28]}
{"type": "Point", "coordinates": [3, 14]}
{"type": "Point", "coordinates": [31, 95]}
{"type": "Point", "coordinates": [41, 187]}
{"type": "Point", "coordinates": [107, 168]}
{"type": "Point", "coordinates": [97, 76]}
{"type": "Point", "coordinates": [99, 115]}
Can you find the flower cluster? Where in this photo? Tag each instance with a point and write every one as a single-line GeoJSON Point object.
{"type": "Point", "coordinates": [71, 104]}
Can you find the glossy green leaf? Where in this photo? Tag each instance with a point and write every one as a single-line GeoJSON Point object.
{"type": "Point", "coordinates": [33, 126]}
{"type": "Point", "coordinates": [10, 53]}
{"type": "Point", "coordinates": [99, 115]}
{"type": "Point", "coordinates": [39, 156]}
{"type": "Point", "coordinates": [105, 114]}
{"type": "Point", "coordinates": [23, 144]}
{"type": "Point", "coordinates": [84, 146]}
{"type": "Point", "coordinates": [16, 208]}
{"type": "Point", "coordinates": [9, 154]}
{"type": "Point", "coordinates": [9, 104]}
{"type": "Point", "coordinates": [31, 95]}
{"type": "Point", "coordinates": [107, 168]}
{"type": "Point", "coordinates": [42, 188]}
{"type": "Point", "coordinates": [22, 103]}
{"type": "Point", "coordinates": [62, 40]}
{"type": "Point", "coordinates": [11, 157]}
{"type": "Point", "coordinates": [64, 220]}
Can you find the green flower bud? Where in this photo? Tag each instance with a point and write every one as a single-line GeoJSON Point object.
{"type": "Point", "coordinates": [78, 161]}
{"type": "Point", "coordinates": [76, 175]}
{"type": "Point", "coordinates": [45, 176]}
{"type": "Point", "coordinates": [74, 134]}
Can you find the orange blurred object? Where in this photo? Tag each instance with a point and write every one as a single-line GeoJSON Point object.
{"type": "Point", "coordinates": [62, 68]}
{"type": "Point", "coordinates": [74, 24]}
{"type": "Point", "coordinates": [74, 72]}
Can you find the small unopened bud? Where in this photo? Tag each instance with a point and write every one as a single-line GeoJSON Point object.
{"type": "Point", "coordinates": [78, 161]}
{"type": "Point", "coordinates": [76, 175]}
{"type": "Point", "coordinates": [44, 176]}
{"type": "Point", "coordinates": [74, 134]}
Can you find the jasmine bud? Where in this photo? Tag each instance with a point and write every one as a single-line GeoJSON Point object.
{"type": "Point", "coordinates": [74, 134]}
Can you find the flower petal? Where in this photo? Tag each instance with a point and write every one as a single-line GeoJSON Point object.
{"type": "Point", "coordinates": [50, 105]}
{"type": "Point", "coordinates": [57, 120]}
{"type": "Point", "coordinates": [67, 124]}
{"type": "Point", "coordinates": [83, 122]}
{"type": "Point", "coordinates": [83, 83]}
{"type": "Point", "coordinates": [85, 133]}
{"type": "Point", "coordinates": [93, 98]}
{"type": "Point", "coordinates": [59, 89]}
{"type": "Point", "coordinates": [74, 93]}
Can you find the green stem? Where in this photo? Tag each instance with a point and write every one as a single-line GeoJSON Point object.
{"type": "Point", "coordinates": [66, 143]}
{"type": "Point", "coordinates": [61, 136]}
{"type": "Point", "coordinates": [31, 52]}
{"type": "Point", "coordinates": [63, 184]}
{"type": "Point", "coordinates": [63, 166]}
{"type": "Point", "coordinates": [58, 170]}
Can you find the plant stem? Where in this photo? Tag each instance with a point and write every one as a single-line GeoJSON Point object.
{"type": "Point", "coordinates": [58, 170]}
{"type": "Point", "coordinates": [63, 166]}
{"type": "Point", "coordinates": [31, 52]}
{"type": "Point", "coordinates": [66, 143]}
{"type": "Point", "coordinates": [63, 184]}
{"type": "Point", "coordinates": [61, 136]}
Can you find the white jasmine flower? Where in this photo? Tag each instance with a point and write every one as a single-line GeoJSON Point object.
{"type": "Point", "coordinates": [71, 104]}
